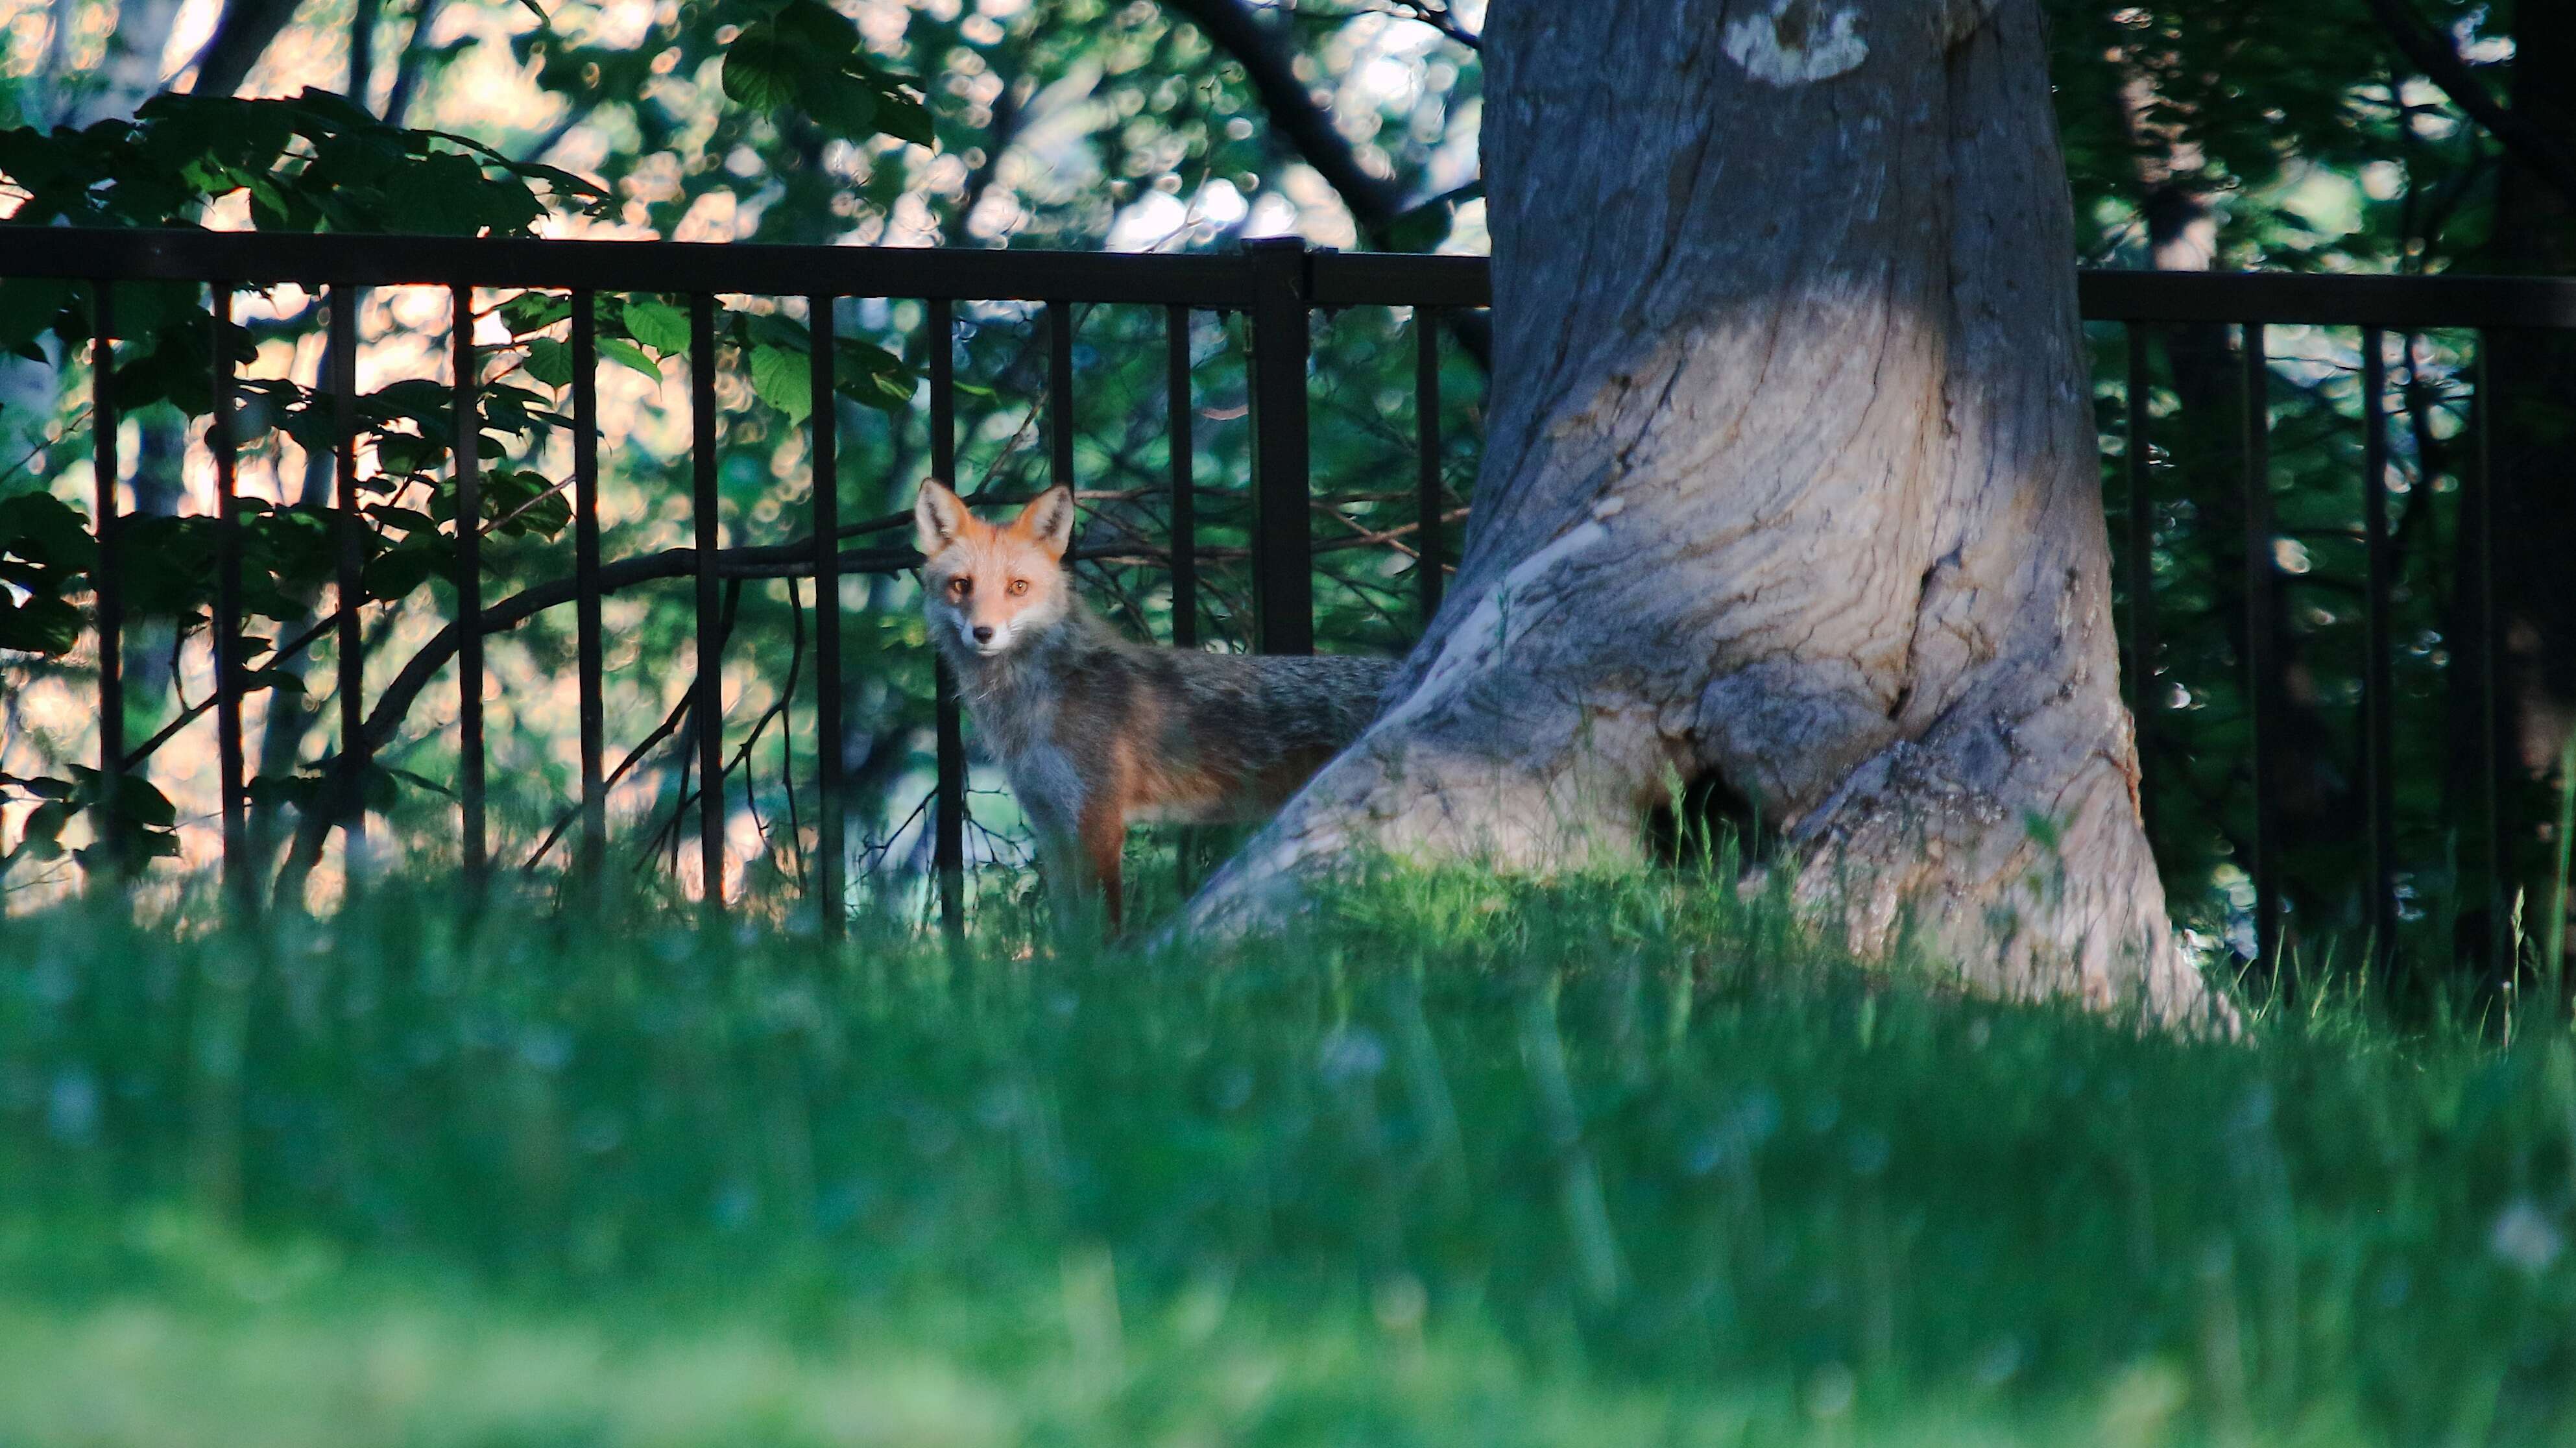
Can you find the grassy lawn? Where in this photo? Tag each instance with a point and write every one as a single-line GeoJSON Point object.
{"type": "Point", "coordinates": [1452, 1164]}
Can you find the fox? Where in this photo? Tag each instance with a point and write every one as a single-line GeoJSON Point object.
{"type": "Point", "coordinates": [1096, 731]}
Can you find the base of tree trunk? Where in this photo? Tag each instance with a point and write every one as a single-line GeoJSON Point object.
{"type": "Point", "coordinates": [1791, 490]}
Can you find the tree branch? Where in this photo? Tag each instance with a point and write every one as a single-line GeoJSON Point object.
{"type": "Point", "coordinates": [2535, 148]}
{"type": "Point", "coordinates": [1436, 14]}
{"type": "Point", "coordinates": [362, 49]}
{"type": "Point", "coordinates": [1265, 55]}
{"type": "Point", "coordinates": [414, 64]}
{"type": "Point", "coordinates": [242, 35]}
{"type": "Point", "coordinates": [1376, 203]}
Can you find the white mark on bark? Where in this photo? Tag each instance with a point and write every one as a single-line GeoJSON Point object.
{"type": "Point", "coordinates": [1796, 42]}
{"type": "Point", "coordinates": [1963, 19]}
{"type": "Point", "coordinates": [1496, 622]}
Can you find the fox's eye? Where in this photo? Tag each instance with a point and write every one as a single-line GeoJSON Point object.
{"type": "Point", "coordinates": [961, 586]}
{"type": "Point", "coordinates": [1019, 586]}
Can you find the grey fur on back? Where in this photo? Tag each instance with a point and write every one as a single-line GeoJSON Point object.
{"type": "Point", "coordinates": [1080, 686]}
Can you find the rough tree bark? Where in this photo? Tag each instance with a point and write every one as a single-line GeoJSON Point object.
{"type": "Point", "coordinates": [1791, 486]}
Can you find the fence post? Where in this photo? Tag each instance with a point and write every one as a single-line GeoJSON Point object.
{"type": "Point", "coordinates": [469, 587]}
{"type": "Point", "coordinates": [830, 888]}
{"type": "Point", "coordinates": [347, 577]}
{"type": "Point", "coordinates": [948, 815]}
{"type": "Point", "coordinates": [589, 642]}
{"type": "Point", "coordinates": [2263, 662]}
{"type": "Point", "coordinates": [2378, 670]}
{"type": "Point", "coordinates": [239, 888]}
{"type": "Point", "coordinates": [1184, 465]}
{"type": "Point", "coordinates": [110, 582]}
{"type": "Point", "coordinates": [705, 502]}
{"type": "Point", "coordinates": [1283, 587]}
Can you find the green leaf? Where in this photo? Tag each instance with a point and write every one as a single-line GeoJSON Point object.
{"type": "Point", "coordinates": [46, 626]}
{"type": "Point", "coordinates": [398, 571]}
{"type": "Point", "coordinates": [550, 361]}
{"type": "Point", "coordinates": [627, 354]}
{"type": "Point", "coordinates": [872, 376]}
{"type": "Point", "coordinates": [406, 454]}
{"type": "Point", "coordinates": [529, 500]}
{"type": "Point", "coordinates": [534, 312]}
{"type": "Point", "coordinates": [902, 117]}
{"type": "Point", "coordinates": [840, 103]}
{"type": "Point", "coordinates": [40, 837]}
{"type": "Point", "coordinates": [46, 531]}
{"type": "Point", "coordinates": [784, 380]}
{"type": "Point", "coordinates": [816, 29]}
{"type": "Point", "coordinates": [760, 68]}
{"type": "Point", "coordinates": [28, 306]}
{"type": "Point", "coordinates": [401, 520]}
{"type": "Point", "coordinates": [658, 325]}
{"type": "Point", "coordinates": [140, 802]}
{"type": "Point", "coordinates": [146, 308]}
{"type": "Point", "coordinates": [300, 792]}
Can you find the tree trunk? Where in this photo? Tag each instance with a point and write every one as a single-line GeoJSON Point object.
{"type": "Point", "coordinates": [1790, 489]}
{"type": "Point", "coordinates": [2532, 390]}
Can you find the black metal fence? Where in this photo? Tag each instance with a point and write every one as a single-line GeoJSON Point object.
{"type": "Point", "coordinates": [1277, 287]}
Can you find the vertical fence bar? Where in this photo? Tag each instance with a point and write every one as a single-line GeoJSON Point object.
{"type": "Point", "coordinates": [830, 890]}
{"type": "Point", "coordinates": [228, 605]}
{"type": "Point", "coordinates": [705, 503]}
{"type": "Point", "coordinates": [1426, 484]}
{"type": "Point", "coordinates": [109, 584]}
{"type": "Point", "coordinates": [1181, 430]}
{"type": "Point", "coordinates": [469, 585]}
{"type": "Point", "coordinates": [586, 624]}
{"type": "Point", "coordinates": [2378, 700]}
{"type": "Point", "coordinates": [2141, 563]}
{"type": "Point", "coordinates": [1059, 403]}
{"type": "Point", "coordinates": [346, 581]}
{"type": "Point", "coordinates": [1283, 590]}
{"type": "Point", "coordinates": [2262, 660]}
{"type": "Point", "coordinates": [948, 843]}
{"type": "Point", "coordinates": [2490, 644]}
{"type": "Point", "coordinates": [1059, 329]}
{"type": "Point", "coordinates": [1184, 458]}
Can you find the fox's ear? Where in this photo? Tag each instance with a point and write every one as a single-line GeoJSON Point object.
{"type": "Point", "coordinates": [938, 516]}
{"type": "Point", "coordinates": [1048, 521]}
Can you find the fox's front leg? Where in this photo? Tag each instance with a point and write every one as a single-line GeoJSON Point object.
{"type": "Point", "coordinates": [1070, 860]}
{"type": "Point", "coordinates": [1059, 861]}
{"type": "Point", "coordinates": [1104, 847]}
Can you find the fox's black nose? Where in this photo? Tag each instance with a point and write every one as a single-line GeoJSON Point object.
{"type": "Point", "coordinates": [983, 633]}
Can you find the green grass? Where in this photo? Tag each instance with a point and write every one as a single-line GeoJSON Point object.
{"type": "Point", "coordinates": [1450, 1163]}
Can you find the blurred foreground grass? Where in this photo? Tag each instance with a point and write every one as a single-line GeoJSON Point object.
{"type": "Point", "coordinates": [1609, 1162]}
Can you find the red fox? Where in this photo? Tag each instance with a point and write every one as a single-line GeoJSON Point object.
{"type": "Point", "coordinates": [1096, 731]}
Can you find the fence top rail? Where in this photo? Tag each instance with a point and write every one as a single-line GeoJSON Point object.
{"type": "Point", "coordinates": [1214, 281]}
{"type": "Point", "coordinates": [758, 269]}
{"type": "Point", "coordinates": [2312, 299]}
